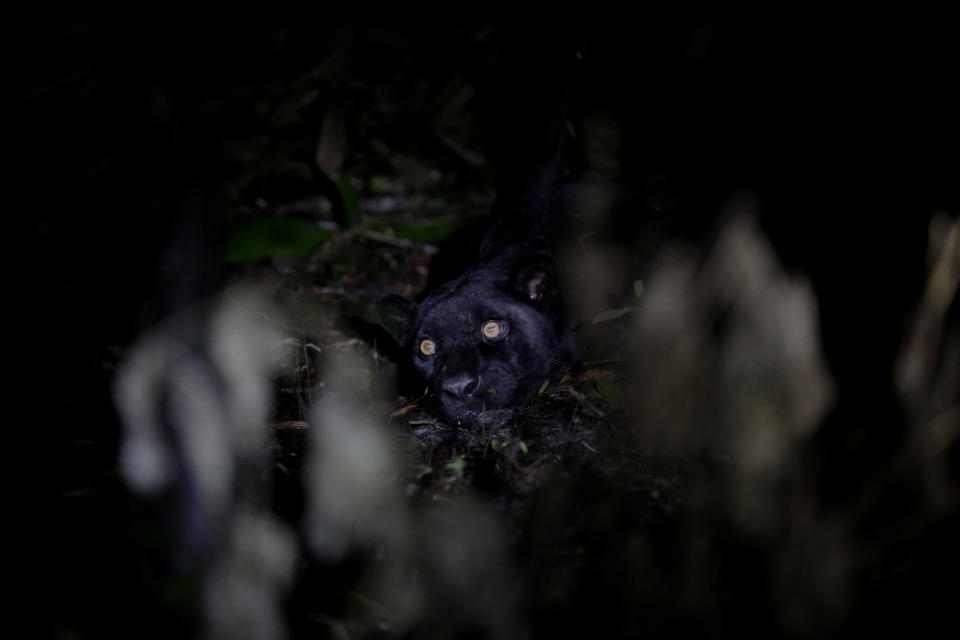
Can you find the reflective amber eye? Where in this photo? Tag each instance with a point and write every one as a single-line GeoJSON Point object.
{"type": "Point", "coordinates": [492, 329]}
{"type": "Point", "coordinates": [428, 347]}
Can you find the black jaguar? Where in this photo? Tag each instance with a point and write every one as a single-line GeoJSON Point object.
{"type": "Point", "coordinates": [482, 343]}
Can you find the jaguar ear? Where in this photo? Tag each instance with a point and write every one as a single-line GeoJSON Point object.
{"type": "Point", "coordinates": [394, 313]}
{"type": "Point", "coordinates": [535, 278]}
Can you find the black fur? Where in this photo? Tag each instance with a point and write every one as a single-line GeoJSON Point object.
{"type": "Point", "coordinates": [471, 379]}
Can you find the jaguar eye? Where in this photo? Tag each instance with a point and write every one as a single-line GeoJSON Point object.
{"type": "Point", "coordinates": [492, 329]}
{"type": "Point", "coordinates": [428, 347]}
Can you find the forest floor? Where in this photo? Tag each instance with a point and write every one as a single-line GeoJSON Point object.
{"type": "Point", "coordinates": [710, 485]}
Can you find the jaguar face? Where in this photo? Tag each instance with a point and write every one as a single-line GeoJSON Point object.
{"type": "Point", "coordinates": [481, 344]}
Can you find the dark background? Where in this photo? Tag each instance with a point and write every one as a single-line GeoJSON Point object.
{"type": "Point", "coordinates": [845, 126]}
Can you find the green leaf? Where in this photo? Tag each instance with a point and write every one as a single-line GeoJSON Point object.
{"type": "Point", "coordinates": [612, 393]}
{"type": "Point", "coordinates": [425, 471]}
{"type": "Point", "coordinates": [543, 387]}
{"type": "Point", "coordinates": [348, 198]}
{"type": "Point", "coordinates": [611, 314]}
{"type": "Point", "coordinates": [383, 184]}
{"type": "Point", "coordinates": [429, 232]}
{"type": "Point", "coordinates": [273, 238]}
{"type": "Point", "coordinates": [457, 466]}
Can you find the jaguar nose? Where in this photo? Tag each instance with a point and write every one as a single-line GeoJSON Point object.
{"type": "Point", "coordinates": [459, 386]}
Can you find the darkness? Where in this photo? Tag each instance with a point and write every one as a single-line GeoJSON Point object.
{"type": "Point", "coordinates": [844, 127]}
